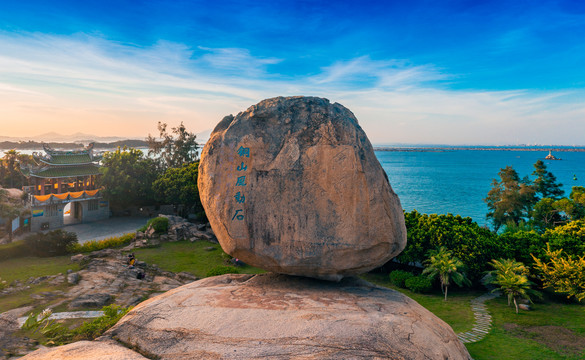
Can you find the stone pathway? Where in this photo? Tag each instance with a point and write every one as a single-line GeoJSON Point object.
{"type": "Point", "coordinates": [483, 319]}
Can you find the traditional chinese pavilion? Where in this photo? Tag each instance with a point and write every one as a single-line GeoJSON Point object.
{"type": "Point", "coordinates": [63, 188]}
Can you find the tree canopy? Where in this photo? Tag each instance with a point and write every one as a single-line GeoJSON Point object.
{"type": "Point", "coordinates": [473, 245]}
{"type": "Point", "coordinates": [545, 185]}
{"type": "Point", "coordinates": [173, 152]}
{"type": "Point", "coordinates": [512, 278]}
{"type": "Point", "coordinates": [510, 199]}
{"type": "Point", "coordinates": [448, 268]}
{"type": "Point", "coordinates": [10, 174]}
{"type": "Point", "coordinates": [179, 186]}
{"type": "Point", "coordinates": [127, 177]}
{"type": "Point", "coordinates": [563, 274]}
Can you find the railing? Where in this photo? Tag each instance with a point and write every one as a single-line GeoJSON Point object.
{"type": "Point", "coordinates": [38, 200]}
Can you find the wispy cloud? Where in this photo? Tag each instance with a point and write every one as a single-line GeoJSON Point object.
{"type": "Point", "coordinates": [365, 72]}
{"type": "Point", "coordinates": [91, 84]}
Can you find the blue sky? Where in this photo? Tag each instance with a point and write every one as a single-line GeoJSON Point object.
{"type": "Point", "coordinates": [444, 72]}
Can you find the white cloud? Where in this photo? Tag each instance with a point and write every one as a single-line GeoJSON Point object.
{"type": "Point", "coordinates": [90, 84]}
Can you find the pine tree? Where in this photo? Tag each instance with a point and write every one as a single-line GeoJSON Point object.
{"type": "Point", "coordinates": [546, 185]}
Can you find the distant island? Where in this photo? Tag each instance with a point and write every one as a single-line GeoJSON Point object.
{"type": "Point", "coordinates": [36, 145]}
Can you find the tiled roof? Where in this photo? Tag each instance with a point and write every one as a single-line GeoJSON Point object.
{"type": "Point", "coordinates": [70, 159]}
{"type": "Point", "coordinates": [67, 171]}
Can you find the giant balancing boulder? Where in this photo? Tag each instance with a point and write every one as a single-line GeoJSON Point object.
{"type": "Point", "coordinates": [292, 185]}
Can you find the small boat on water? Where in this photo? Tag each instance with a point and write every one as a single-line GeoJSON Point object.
{"type": "Point", "coordinates": [550, 156]}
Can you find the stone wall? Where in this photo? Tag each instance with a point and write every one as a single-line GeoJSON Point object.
{"type": "Point", "coordinates": [55, 218]}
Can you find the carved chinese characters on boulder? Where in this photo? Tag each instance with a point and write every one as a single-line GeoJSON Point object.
{"type": "Point", "coordinates": [292, 185]}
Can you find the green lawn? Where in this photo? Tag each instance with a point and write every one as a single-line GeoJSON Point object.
{"type": "Point", "coordinates": [24, 268]}
{"type": "Point", "coordinates": [23, 298]}
{"type": "Point", "coordinates": [552, 330]}
{"type": "Point", "coordinates": [196, 257]}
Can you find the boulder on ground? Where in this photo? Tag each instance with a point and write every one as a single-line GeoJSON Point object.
{"type": "Point", "coordinates": [292, 185]}
{"type": "Point", "coordinates": [91, 301]}
{"type": "Point", "coordinates": [282, 317]}
{"type": "Point", "coordinates": [90, 350]}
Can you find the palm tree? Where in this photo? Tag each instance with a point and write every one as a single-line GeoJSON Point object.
{"type": "Point", "coordinates": [512, 278]}
{"type": "Point", "coordinates": [447, 267]}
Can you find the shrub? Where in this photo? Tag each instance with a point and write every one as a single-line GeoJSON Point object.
{"type": "Point", "coordinates": [398, 277]}
{"type": "Point", "coordinates": [221, 270]}
{"type": "Point", "coordinates": [53, 243]}
{"type": "Point", "coordinates": [473, 245]}
{"type": "Point", "coordinates": [419, 284]}
{"type": "Point", "coordinates": [159, 224]}
{"type": "Point", "coordinates": [521, 244]}
{"type": "Point", "coordinates": [569, 237]}
{"type": "Point", "coordinates": [93, 245]}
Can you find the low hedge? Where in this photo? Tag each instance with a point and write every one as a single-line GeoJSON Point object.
{"type": "Point", "coordinates": [93, 245]}
{"type": "Point", "coordinates": [399, 277]}
{"type": "Point", "coordinates": [419, 284]}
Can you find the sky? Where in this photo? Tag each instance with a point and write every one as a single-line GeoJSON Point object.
{"type": "Point", "coordinates": [413, 72]}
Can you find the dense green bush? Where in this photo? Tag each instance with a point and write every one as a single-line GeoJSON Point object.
{"type": "Point", "coordinates": [221, 270]}
{"type": "Point", "coordinates": [419, 284]}
{"type": "Point", "coordinates": [569, 237]}
{"type": "Point", "coordinates": [93, 245]}
{"type": "Point", "coordinates": [159, 224]}
{"type": "Point", "coordinates": [473, 245]}
{"type": "Point", "coordinates": [53, 243]}
{"type": "Point", "coordinates": [521, 244]}
{"type": "Point", "coordinates": [398, 277]}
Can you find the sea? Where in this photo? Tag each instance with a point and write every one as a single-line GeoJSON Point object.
{"type": "Point", "coordinates": [451, 181]}
{"type": "Point", "coordinates": [446, 180]}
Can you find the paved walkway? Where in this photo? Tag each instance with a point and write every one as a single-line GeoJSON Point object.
{"type": "Point", "coordinates": [483, 319]}
{"type": "Point", "coordinates": [68, 315]}
{"type": "Point", "coordinates": [98, 230]}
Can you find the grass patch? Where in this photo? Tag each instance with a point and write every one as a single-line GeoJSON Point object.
{"type": "Point", "coordinates": [456, 311]}
{"type": "Point", "coordinates": [24, 268]}
{"type": "Point", "coordinates": [196, 257]}
{"type": "Point", "coordinates": [24, 297]}
{"type": "Point", "coordinates": [552, 330]}
{"type": "Point", "coordinates": [13, 250]}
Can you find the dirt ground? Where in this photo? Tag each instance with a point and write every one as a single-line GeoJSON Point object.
{"type": "Point", "coordinates": [559, 339]}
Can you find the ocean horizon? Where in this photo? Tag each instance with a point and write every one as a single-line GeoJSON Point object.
{"type": "Point", "coordinates": [454, 179]}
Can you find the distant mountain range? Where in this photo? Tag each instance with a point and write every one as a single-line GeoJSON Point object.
{"type": "Point", "coordinates": [79, 137]}
{"type": "Point", "coordinates": [60, 141]}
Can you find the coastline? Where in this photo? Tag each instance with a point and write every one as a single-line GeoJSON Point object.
{"type": "Point", "coordinates": [475, 148]}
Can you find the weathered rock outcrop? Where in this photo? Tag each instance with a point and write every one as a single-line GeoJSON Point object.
{"type": "Point", "coordinates": [283, 317]}
{"type": "Point", "coordinates": [292, 185]}
{"type": "Point", "coordinates": [94, 350]}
